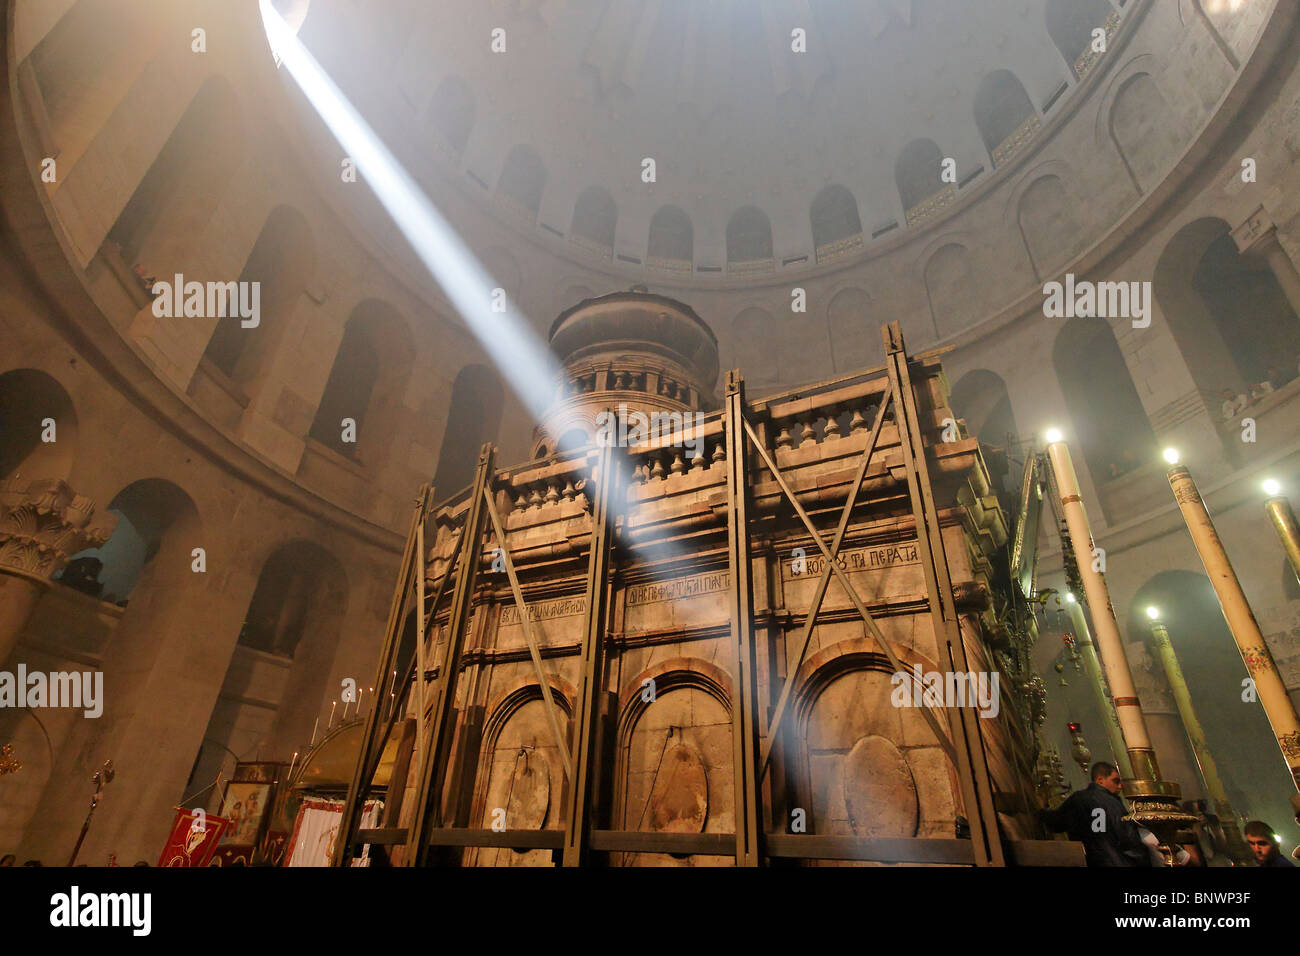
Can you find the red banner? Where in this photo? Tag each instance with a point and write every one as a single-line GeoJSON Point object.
{"type": "Point", "coordinates": [194, 837]}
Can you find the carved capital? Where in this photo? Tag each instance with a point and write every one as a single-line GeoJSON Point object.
{"type": "Point", "coordinates": [1256, 234]}
{"type": "Point", "coordinates": [43, 523]}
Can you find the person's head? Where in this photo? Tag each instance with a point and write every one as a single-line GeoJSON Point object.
{"type": "Point", "coordinates": [1106, 775]}
{"type": "Point", "coordinates": [140, 863]}
{"type": "Point", "coordinates": [8, 860]}
{"type": "Point", "coordinates": [1262, 841]}
{"type": "Point", "coordinates": [1229, 393]}
{"type": "Point", "coordinates": [32, 863]}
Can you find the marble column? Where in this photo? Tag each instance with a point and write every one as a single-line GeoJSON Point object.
{"type": "Point", "coordinates": [43, 522]}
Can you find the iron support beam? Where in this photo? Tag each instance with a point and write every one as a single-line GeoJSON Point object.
{"type": "Point", "coordinates": [582, 787]}
{"type": "Point", "coordinates": [972, 760]}
{"type": "Point", "coordinates": [435, 751]}
{"type": "Point", "coordinates": [744, 714]}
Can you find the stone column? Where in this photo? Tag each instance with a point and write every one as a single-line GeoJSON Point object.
{"type": "Point", "coordinates": [42, 524]}
{"type": "Point", "coordinates": [1257, 236]}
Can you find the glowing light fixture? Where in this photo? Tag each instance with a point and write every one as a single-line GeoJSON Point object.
{"type": "Point", "coordinates": [1171, 455]}
{"type": "Point", "coordinates": [1054, 435]}
{"type": "Point", "coordinates": [1271, 488]}
{"type": "Point", "coordinates": [1153, 613]}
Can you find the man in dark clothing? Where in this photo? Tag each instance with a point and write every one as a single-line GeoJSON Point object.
{"type": "Point", "coordinates": [1095, 817]}
{"type": "Point", "coordinates": [1263, 843]}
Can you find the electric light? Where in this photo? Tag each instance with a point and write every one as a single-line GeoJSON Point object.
{"type": "Point", "coordinates": [1271, 488]}
{"type": "Point", "coordinates": [1054, 435]}
{"type": "Point", "coordinates": [1069, 597]}
{"type": "Point", "coordinates": [1153, 613]}
{"type": "Point", "coordinates": [1171, 455]}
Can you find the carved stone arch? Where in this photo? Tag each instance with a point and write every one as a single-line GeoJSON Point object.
{"type": "Point", "coordinates": [876, 769]}
{"type": "Point", "coordinates": [1146, 150]}
{"type": "Point", "coordinates": [526, 783]}
{"type": "Point", "coordinates": [674, 764]}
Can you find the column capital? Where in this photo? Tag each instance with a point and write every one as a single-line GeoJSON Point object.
{"type": "Point", "coordinates": [43, 522]}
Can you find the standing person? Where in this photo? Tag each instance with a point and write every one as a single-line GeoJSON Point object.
{"type": "Point", "coordinates": [1263, 843]}
{"type": "Point", "coordinates": [1095, 817]}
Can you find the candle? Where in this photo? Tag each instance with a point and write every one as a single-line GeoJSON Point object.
{"type": "Point", "coordinates": [333, 704]}
{"type": "Point", "coordinates": [313, 732]}
{"type": "Point", "coordinates": [291, 764]}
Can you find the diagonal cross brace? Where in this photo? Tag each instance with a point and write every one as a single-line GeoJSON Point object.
{"type": "Point", "coordinates": [533, 649]}
{"type": "Point", "coordinates": [944, 741]}
{"type": "Point", "coordinates": [825, 579]}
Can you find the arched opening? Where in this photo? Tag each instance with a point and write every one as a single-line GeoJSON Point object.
{"type": "Point", "coordinates": [185, 183]}
{"type": "Point", "coordinates": [281, 263]}
{"type": "Point", "coordinates": [86, 64]}
{"type": "Point", "coordinates": [522, 180]}
{"type": "Point", "coordinates": [595, 217]}
{"type": "Point", "coordinates": [473, 418]}
{"type": "Point", "coordinates": [33, 408]}
{"type": "Point", "coordinates": [749, 236]}
{"type": "Point", "coordinates": [574, 439]}
{"type": "Point", "coordinates": [1003, 113]}
{"type": "Point", "coordinates": [1238, 733]}
{"type": "Point", "coordinates": [146, 511]}
{"type": "Point", "coordinates": [451, 113]}
{"type": "Point", "coordinates": [1109, 421]}
{"type": "Point", "coordinates": [980, 397]}
{"type": "Point", "coordinates": [1070, 24]}
{"type": "Point", "coordinates": [672, 238]}
{"type": "Point", "coordinates": [919, 175]}
{"type": "Point", "coordinates": [366, 382]}
{"type": "Point", "coordinates": [836, 227]}
{"type": "Point", "coordinates": [286, 645]}
{"type": "Point", "coordinates": [1230, 318]}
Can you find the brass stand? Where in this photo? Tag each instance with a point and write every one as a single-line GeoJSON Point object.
{"type": "Point", "coordinates": [1283, 518]}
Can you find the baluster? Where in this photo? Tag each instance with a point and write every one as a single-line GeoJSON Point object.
{"type": "Point", "coordinates": [783, 437]}
{"type": "Point", "coordinates": [552, 493]}
{"type": "Point", "coordinates": [679, 465]}
{"type": "Point", "coordinates": [808, 433]}
{"type": "Point", "coordinates": [658, 470]}
{"type": "Point", "coordinates": [858, 422]}
{"type": "Point", "coordinates": [832, 430]}
{"type": "Point", "coordinates": [535, 498]}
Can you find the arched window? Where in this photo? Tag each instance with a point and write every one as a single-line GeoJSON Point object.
{"type": "Point", "coordinates": [595, 217]}
{"type": "Point", "coordinates": [146, 510]}
{"type": "Point", "coordinates": [980, 397]}
{"type": "Point", "coordinates": [1109, 420]}
{"type": "Point", "coordinates": [919, 175]}
{"type": "Point", "coordinates": [366, 381]}
{"type": "Point", "coordinates": [1230, 318]}
{"type": "Point", "coordinates": [281, 262]}
{"type": "Point", "coordinates": [295, 615]}
{"type": "Point", "coordinates": [836, 227]}
{"type": "Point", "coordinates": [185, 183]}
{"type": "Point", "coordinates": [749, 236]}
{"type": "Point", "coordinates": [28, 398]}
{"type": "Point", "coordinates": [1070, 24]}
{"type": "Point", "coordinates": [452, 112]}
{"type": "Point", "coordinates": [672, 238]}
{"type": "Point", "coordinates": [522, 180]}
{"type": "Point", "coordinates": [473, 418]}
{"type": "Point", "coordinates": [1004, 115]}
